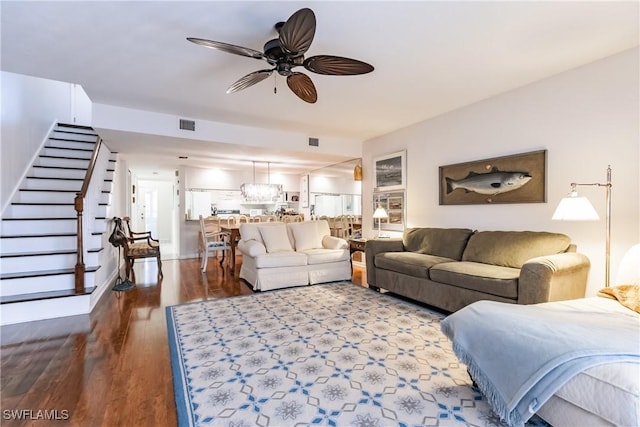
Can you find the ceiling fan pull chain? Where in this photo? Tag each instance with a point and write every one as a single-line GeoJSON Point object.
{"type": "Point", "coordinates": [275, 83]}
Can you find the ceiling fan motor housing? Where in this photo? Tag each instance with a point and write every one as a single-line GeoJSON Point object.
{"type": "Point", "coordinates": [282, 61]}
{"type": "Point", "coordinates": [273, 51]}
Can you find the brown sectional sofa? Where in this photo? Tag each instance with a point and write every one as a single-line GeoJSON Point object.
{"type": "Point", "coordinates": [450, 268]}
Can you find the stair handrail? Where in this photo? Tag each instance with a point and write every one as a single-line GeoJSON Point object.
{"type": "Point", "coordinates": [78, 205]}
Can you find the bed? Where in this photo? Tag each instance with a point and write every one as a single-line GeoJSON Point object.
{"type": "Point", "coordinates": [578, 360]}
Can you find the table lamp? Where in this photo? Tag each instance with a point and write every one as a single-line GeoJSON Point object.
{"type": "Point", "coordinates": [380, 214]}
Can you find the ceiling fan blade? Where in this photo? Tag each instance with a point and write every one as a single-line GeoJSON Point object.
{"type": "Point", "coordinates": [336, 65]}
{"type": "Point", "coordinates": [297, 33]}
{"type": "Point", "coordinates": [229, 48]}
{"type": "Point", "coordinates": [249, 80]}
{"type": "Point", "coordinates": [303, 87]}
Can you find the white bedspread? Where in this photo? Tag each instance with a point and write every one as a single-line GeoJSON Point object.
{"type": "Point", "coordinates": [521, 355]}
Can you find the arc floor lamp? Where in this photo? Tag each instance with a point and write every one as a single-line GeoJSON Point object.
{"type": "Point", "coordinates": [577, 208]}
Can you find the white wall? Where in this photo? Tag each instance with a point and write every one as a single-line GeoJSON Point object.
{"type": "Point", "coordinates": [152, 123]}
{"type": "Point", "coordinates": [586, 118]}
{"type": "Point", "coordinates": [30, 106]}
{"type": "Point", "coordinates": [220, 179]}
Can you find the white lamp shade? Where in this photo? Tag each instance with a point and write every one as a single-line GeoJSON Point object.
{"type": "Point", "coordinates": [380, 213]}
{"type": "Point", "coordinates": [629, 269]}
{"type": "Point", "coordinates": [575, 208]}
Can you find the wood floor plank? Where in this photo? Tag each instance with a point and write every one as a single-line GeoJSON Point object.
{"type": "Point", "coordinates": [110, 368]}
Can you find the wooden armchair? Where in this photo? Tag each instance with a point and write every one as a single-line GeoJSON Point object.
{"type": "Point", "coordinates": [140, 244]}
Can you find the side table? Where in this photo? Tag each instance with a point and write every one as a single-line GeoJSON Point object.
{"type": "Point", "coordinates": [357, 245]}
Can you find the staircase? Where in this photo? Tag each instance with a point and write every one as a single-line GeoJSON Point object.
{"type": "Point", "coordinates": [38, 231]}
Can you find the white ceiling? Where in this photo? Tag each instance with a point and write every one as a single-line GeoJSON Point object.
{"type": "Point", "coordinates": [429, 57]}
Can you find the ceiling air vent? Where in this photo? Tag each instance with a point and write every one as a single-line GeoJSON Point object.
{"type": "Point", "coordinates": [314, 142]}
{"type": "Point", "coordinates": [187, 124]}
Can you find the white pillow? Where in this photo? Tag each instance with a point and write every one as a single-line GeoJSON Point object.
{"type": "Point", "coordinates": [250, 232]}
{"type": "Point", "coordinates": [252, 248]}
{"type": "Point", "coordinates": [306, 235]}
{"type": "Point", "coordinates": [331, 242]}
{"type": "Point", "coordinates": [275, 238]}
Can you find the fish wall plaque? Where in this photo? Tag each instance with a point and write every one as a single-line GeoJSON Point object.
{"type": "Point", "coordinates": [518, 178]}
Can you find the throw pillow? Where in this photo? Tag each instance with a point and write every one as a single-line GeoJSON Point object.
{"type": "Point", "coordinates": [306, 235]}
{"type": "Point", "coordinates": [275, 238]}
{"type": "Point", "coordinates": [250, 231]}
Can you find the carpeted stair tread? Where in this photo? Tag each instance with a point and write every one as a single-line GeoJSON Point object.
{"type": "Point", "coordinates": [55, 177]}
{"type": "Point", "coordinates": [42, 273]}
{"type": "Point", "coordinates": [40, 219]}
{"type": "Point", "coordinates": [60, 167]}
{"type": "Point", "coordinates": [42, 204]}
{"type": "Point", "coordinates": [44, 295]}
{"type": "Point", "coordinates": [39, 253]}
{"type": "Point", "coordinates": [23, 236]}
{"type": "Point", "coordinates": [49, 156]}
{"type": "Point", "coordinates": [52, 190]}
{"type": "Point", "coordinates": [53, 138]}
{"type": "Point", "coordinates": [45, 253]}
{"type": "Point", "coordinates": [72, 126]}
{"type": "Point", "coordinates": [71, 148]}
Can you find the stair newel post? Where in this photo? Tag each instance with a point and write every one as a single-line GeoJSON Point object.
{"type": "Point", "coordinates": [79, 207]}
{"type": "Point", "coordinates": [80, 268]}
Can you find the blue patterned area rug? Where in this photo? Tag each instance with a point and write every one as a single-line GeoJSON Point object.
{"type": "Point", "coordinates": [335, 354]}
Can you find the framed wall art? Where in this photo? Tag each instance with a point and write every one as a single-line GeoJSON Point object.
{"type": "Point", "coordinates": [519, 178]}
{"type": "Point", "coordinates": [395, 204]}
{"type": "Point", "coordinates": [390, 172]}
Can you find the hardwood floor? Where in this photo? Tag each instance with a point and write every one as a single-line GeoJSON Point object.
{"type": "Point", "coordinates": [112, 367]}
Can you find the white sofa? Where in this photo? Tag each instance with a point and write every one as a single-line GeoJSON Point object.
{"type": "Point", "coordinates": [277, 255]}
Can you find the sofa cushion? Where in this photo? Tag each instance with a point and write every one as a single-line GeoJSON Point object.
{"type": "Point", "coordinates": [410, 263]}
{"type": "Point", "coordinates": [306, 235]}
{"type": "Point", "coordinates": [250, 231]}
{"type": "Point", "coordinates": [485, 278]}
{"type": "Point", "coordinates": [441, 242]}
{"type": "Point", "coordinates": [332, 242]}
{"type": "Point", "coordinates": [252, 247]}
{"type": "Point", "coordinates": [324, 256]}
{"type": "Point", "coordinates": [281, 259]}
{"type": "Point", "coordinates": [275, 237]}
{"type": "Point", "coordinates": [513, 248]}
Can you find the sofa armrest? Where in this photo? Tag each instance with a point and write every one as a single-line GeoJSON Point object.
{"type": "Point", "coordinates": [373, 248]}
{"type": "Point", "coordinates": [332, 242]}
{"type": "Point", "coordinates": [251, 248]}
{"type": "Point", "coordinates": [553, 278]}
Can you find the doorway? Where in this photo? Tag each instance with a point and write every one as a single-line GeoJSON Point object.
{"type": "Point", "coordinates": [153, 208]}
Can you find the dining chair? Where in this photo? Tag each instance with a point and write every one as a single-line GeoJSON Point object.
{"type": "Point", "coordinates": [212, 243]}
{"type": "Point", "coordinates": [341, 226]}
{"type": "Point", "coordinates": [227, 221]}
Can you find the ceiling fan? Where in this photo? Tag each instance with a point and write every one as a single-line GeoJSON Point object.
{"type": "Point", "coordinates": [287, 52]}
